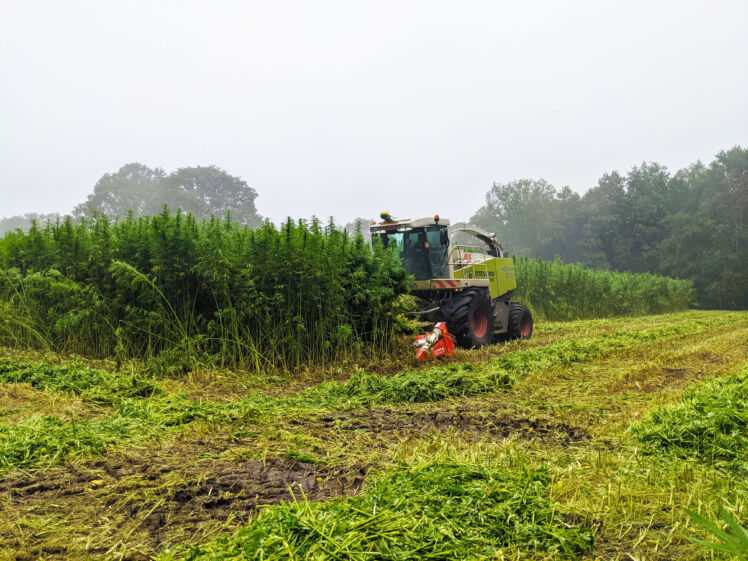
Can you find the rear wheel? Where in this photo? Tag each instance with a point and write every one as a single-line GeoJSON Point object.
{"type": "Point", "coordinates": [520, 322]}
{"type": "Point", "coordinates": [469, 317]}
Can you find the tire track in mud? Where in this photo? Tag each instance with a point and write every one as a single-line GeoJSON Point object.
{"type": "Point", "coordinates": [161, 498]}
{"type": "Point", "coordinates": [465, 419]}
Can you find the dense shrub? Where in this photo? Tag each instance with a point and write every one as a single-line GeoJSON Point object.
{"type": "Point", "coordinates": [559, 291]}
{"type": "Point", "coordinates": [169, 287]}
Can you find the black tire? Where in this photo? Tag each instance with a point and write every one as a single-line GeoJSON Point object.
{"type": "Point", "coordinates": [520, 322]}
{"type": "Point", "coordinates": [469, 317]}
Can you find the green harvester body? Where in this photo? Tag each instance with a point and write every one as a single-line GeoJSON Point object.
{"type": "Point", "coordinates": [461, 276]}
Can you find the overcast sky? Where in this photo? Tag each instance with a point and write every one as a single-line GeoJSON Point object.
{"type": "Point", "coordinates": [349, 108]}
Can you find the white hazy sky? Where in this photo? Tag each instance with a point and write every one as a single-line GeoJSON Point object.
{"type": "Point", "coordinates": [348, 108]}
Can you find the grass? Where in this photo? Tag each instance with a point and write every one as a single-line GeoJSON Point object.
{"type": "Point", "coordinates": [98, 386]}
{"type": "Point", "coordinates": [428, 385]}
{"type": "Point", "coordinates": [602, 484]}
{"type": "Point", "coordinates": [710, 424]}
{"type": "Point", "coordinates": [442, 510]}
{"type": "Point", "coordinates": [43, 440]}
{"type": "Point", "coordinates": [464, 379]}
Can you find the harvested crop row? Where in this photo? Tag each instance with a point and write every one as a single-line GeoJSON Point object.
{"type": "Point", "coordinates": [638, 498]}
{"type": "Point", "coordinates": [710, 424]}
{"type": "Point", "coordinates": [443, 510]}
{"type": "Point", "coordinates": [97, 386]}
{"type": "Point", "coordinates": [462, 379]}
{"type": "Point", "coordinates": [147, 499]}
{"type": "Point", "coordinates": [572, 404]}
{"type": "Point", "coordinates": [588, 461]}
{"type": "Point", "coordinates": [45, 440]}
{"type": "Point", "coordinates": [131, 502]}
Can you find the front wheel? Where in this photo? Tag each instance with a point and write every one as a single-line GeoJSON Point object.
{"type": "Point", "coordinates": [520, 322]}
{"type": "Point", "coordinates": [469, 317]}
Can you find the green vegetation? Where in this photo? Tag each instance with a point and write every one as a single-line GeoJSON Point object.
{"type": "Point", "coordinates": [558, 291]}
{"type": "Point", "coordinates": [420, 386]}
{"type": "Point", "coordinates": [518, 451]}
{"type": "Point", "coordinates": [175, 291]}
{"type": "Point", "coordinates": [710, 424]}
{"type": "Point", "coordinates": [97, 386]}
{"type": "Point", "coordinates": [436, 511]}
{"type": "Point", "coordinates": [178, 292]}
{"type": "Point", "coordinates": [687, 225]}
{"type": "Point", "coordinates": [172, 289]}
{"type": "Point", "coordinates": [733, 542]}
{"type": "Point", "coordinates": [570, 351]}
{"type": "Point", "coordinates": [463, 379]}
{"type": "Point", "coordinates": [42, 440]}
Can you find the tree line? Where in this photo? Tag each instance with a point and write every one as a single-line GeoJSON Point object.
{"type": "Point", "coordinates": [203, 191]}
{"type": "Point", "coordinates": [689, 224]}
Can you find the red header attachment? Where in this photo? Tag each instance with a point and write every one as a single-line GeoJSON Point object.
{"type": "Point", "coordinates": [435, 344]}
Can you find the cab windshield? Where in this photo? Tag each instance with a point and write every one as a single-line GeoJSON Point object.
{"type": "Point", "coordinates": [423, 251]}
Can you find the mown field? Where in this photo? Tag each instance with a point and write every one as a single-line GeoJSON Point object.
{"type": "Point", "coordinates": [588, 441]}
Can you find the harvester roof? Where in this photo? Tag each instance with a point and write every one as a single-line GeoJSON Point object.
{"type": "Point", "coordinates": [388, 225]}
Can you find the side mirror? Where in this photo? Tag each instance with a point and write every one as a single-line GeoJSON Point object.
{"type": "Point", "coordinates": [444, 237]}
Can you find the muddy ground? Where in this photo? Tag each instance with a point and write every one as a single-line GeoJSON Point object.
{"type": "Point", "coordinates": [132, 503]}
{"type": "Point", "coordinates": [189, 488]}
{"type": "Point", "coordinates": [159, 497]}
{"type": "Point", "coordinates": [467, 419]}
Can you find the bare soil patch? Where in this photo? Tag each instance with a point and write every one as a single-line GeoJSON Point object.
{"type": "Point", "coordinates": [461, 418]}
{"type": "Point", "coordinates": [236, 490]}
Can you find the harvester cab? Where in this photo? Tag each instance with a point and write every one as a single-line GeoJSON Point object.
{"type": "Point", "coordinates": [462, 276]}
